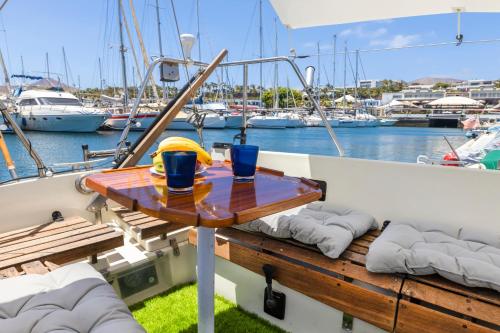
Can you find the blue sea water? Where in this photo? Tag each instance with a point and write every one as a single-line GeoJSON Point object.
{"type": "Point", "coordinates": [402, 144]}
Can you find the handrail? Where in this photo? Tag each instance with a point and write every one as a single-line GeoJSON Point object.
{"type": "Point", "coordinates": [308, 89]}
{"type": "Point", "coordinates": [42, 169]}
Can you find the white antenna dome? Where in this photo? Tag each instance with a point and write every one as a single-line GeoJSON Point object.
{"type": "Point", "coordinates": [187, 42]}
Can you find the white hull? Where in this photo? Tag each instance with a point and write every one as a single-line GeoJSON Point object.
{"type": "Point", "coordinates": [267, 122]}
{"type": "Point", "coordinates": [214, 122]}
{"type": "Point", "coordinates": [62, 123]}
{"type": "Point", "coordinates": [119, 121]}
{"type": "Point", "coordinates": [334, 122]}
{"type": "Point", "coordinates": [233, 121]}
{"type": "Point", "coordinates": [347, 123]}
{"type": "Point", "coordinates": [295, 123]}
{"type": "Point", "coordinates": [387, 122]}
{"type": "Point", "coordinates": [180, 124]}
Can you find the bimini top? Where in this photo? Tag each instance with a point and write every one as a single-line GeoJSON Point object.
{"type": "Point", "coordinates": [309, 13]}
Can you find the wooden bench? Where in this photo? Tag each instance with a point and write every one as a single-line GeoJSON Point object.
{"type": "Point", "coordinates": [143, 228]}
{"type": "Point", "coordinates": [393, 302]}
{"type": "Point", "coordinates": [34, 267]}
{"type": "Point", "coordinates": [57, 242]}
{"type": "Point", "coordinates": [343, 284]}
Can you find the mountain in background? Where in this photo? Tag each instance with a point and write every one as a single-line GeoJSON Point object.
{"type": "Point", "coordinates": [433, 80]}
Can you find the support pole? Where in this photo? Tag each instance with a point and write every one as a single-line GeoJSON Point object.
{"type": "Point", "coordinates": [122, 55]}
{"type": "Point", "coordinates": [243, 130]}
{"type": "Point", "coordinates": [206, 271]}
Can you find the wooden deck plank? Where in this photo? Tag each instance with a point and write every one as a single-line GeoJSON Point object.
{"type": "Point", "coordinates": [70, 251]}
{"type": "Point", "coordinates": [9, 272]}
{"type": "Point", "coordinates": [50, 265]}
{"type": "Point", "coordinates": [361, 242]}
{"type": "Point", "coordinates": [358, 249]}
{"type": "Point", "coordinates": [48, 247]}
{"type": "Point", "coordinates": [451, 301]}
{"type": "Point", "coordinates": [483, 294]}
{"type": "Point", "coordinates": [414, 318]}
{"type": "Point", "coordinates": [159, 227]}
{"type": "Point", "coordinates": [357, 258]}
{"type": "Point", "coordinates": [63, 237]}
{"type": "Point", "coordinates": [42, 229]}
{"type": "Point", "coordinates": [34, 267]}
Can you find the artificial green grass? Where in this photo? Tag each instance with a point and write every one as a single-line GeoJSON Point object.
{"type": "Point", "coordinates": [176, 311]}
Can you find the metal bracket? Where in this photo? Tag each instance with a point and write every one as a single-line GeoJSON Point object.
{"type": "Point", "coordinates": [175, 247]}
{"type": "Point", "coordinates": [347, 322]}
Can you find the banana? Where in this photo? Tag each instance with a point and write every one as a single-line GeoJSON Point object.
{"type": "Point", "coordinates": [179, 143]}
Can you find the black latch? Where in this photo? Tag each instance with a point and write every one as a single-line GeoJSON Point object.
{"type": "Point", "coordinates": [57, 216]}
{"type": "Point", "coordinates": [274, 301]}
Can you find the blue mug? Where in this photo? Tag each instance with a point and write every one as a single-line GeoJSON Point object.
{"type": "Point", "coordinates": [244, 161]}
{"type": "Point", "coordinates": [180, 170]}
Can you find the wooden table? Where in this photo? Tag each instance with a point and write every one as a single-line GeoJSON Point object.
{"type": "Point", "coordinates": [217, 201]}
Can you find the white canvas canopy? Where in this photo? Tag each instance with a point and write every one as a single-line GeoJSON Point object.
{"type": "Point", "coordinates": [394, 104]}
{"type": "Point", "coordinates": [346, 98]}
{"type": "Point", "coordinates": [455, 101]}
{"type": "Point", "coordinates": [309, 13]}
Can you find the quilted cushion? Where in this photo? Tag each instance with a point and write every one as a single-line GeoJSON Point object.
{"type": "Point", "coordinates": [74, 298]}
{"type": "Point", "coordinates": [329, 227]}
{"type": "Point", "coordinates": [466, 256]}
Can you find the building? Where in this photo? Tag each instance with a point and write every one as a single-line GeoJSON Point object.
{"type": "Point", "coordinates": [367, 84]}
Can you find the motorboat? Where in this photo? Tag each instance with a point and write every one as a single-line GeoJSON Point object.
{"type": "Point", "coordinates": [214, 121]}
{"type": "Point", "coordinates": [314, 121]}
{"type": "Point", "coordinates": [387, 122]}
{"type": "Point", "coordinates": [271, 122]}
{"type": "Point", "coordinates": [292, 120]}
{"type": "Point", "coordinates": [143, 120]}
{"type": "Point", "coordinates": [56, 111]}
{"type": "Point", "coordinates": [234, 119]}
{"type": "Point", "coordinates": [346, 121]}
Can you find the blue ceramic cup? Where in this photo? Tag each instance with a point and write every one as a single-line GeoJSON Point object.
{"type": "Point", "coordinates": [244, 160]}
{"type": "Point", "coordinates": [180, 170]}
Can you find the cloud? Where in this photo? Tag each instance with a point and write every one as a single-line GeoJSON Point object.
{"type": "Point", "coordinates": [361, 32]}
{"type": "Point", "coordinates": [396, 41]}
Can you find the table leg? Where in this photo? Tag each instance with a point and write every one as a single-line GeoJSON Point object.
{"type": "Point", "coordinates": [206, 272]}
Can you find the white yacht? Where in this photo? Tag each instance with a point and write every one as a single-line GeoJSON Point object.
{"type": "Point", "coordinates": [143, 120]}
{"type": "Point", "coordinates": [274, 122]}
{"type": "Point", "coordinates": [55, 111]}
{"type": "Point", "coordinates": [314, 121]}
{"type": "Point", "coordinates": [234, 119]}
{"type": "Point", "coordinates": [292, 120]}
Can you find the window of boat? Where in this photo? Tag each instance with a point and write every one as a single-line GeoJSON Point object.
{"type": "Point", "coordinates": [28, 101]}
{"type": "Point", "coordinates": [59, 101]}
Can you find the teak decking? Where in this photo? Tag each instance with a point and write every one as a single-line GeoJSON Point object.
{"type": "Point", "coordinates": [57, 242]}
{"type": "Point", "coordinates": [393, 302]}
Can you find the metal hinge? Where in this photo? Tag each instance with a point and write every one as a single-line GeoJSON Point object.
{"type": "Point", "coordinates": [175, 247]}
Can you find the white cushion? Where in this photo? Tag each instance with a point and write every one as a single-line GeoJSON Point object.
{"type": "Point", "coordinates": [73, 298]}
{"type": "Point", "coordinates": [466, 256]}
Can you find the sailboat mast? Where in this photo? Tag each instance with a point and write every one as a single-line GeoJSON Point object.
{"type": "Point", "coordinates": [6, 73]}
{"type": "Point", "coordinates": [356, 76]}
{"type": "Point", "coordinates": [65, 67]}
{"type": "Point", "coordinates": [122, 57]}
{"type": "Point", "coordinates": [198, 27]}
{"type": "Point", "coordinates": [158, 23]}
{"type": "Point", "coordinates": [345, 69]}
{"type": "Point", "coordinates": [319, 75]}
{"type": "Point", "coordinates": [261, 50]}
{"type": "Point", "coordinates": [276, 97]}
{"type": "Point", "coordinates": [22, 65]}
{"type": "Point", "coordinates": [100, 74]}
{"type": "Point", "coordinates": [334, 68]}
{"type": "Point", "coordinates": [47, 64]}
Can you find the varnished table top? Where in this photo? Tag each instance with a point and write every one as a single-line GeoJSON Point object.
{"type": "Point", "coordinates": [216, 200]}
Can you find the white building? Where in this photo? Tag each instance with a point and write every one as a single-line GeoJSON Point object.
{"type": "Point", "coordinates": [370, 84]}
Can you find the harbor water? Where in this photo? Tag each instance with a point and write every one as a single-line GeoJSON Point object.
{"type": "Point", "coordinates": [402, 144]}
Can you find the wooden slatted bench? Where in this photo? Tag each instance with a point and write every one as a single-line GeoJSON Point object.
{"type": "Point", "coordinates": [150, 232]}
{"type": "Point", "coordinates": [440, 305]}
{"type": "Point", "coordinates": [58, 242]}
{"type": "Point", "coordinates": [393, 302]}
{"type": "Point", "coordinates": [343, 284]}
{"type": "Point", "coordinates": [34, 267]}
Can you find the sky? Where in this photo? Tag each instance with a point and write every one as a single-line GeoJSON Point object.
{"type": "Point", "coordinates": [88, 30]}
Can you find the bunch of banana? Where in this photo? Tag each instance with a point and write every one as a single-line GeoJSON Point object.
{"type": "Point", "coordinates": [177, 143]}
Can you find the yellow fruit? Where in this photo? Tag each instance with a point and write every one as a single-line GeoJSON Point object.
{"type": "Point", "coordinates": [179, 144]}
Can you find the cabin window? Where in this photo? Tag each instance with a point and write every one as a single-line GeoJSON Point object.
{"type": "Point", "coordinates": [28, 101]}
{"type": "Point", "coordinates": [59, 101]}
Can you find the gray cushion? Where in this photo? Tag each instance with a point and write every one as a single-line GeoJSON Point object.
{"type": "Point", "coordinates": [466, 256]}
{"type": "Point", "coordinates": [329, 227]}
{"type": "Point", "coordinates": [73, 298]}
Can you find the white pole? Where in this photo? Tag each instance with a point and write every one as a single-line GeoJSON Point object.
{"type": "Point", "coordinates": [206, 272]}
